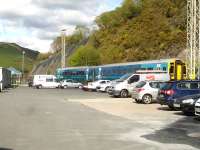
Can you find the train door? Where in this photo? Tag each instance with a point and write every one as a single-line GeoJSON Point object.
{"type": "Point", "coordinates": [172, 71]}
{"type": "Point", "coordinates": [91, 74]}
{"type": "Point", "coordinates": [180, 70]}
{"type": "Point", "coordinates": [179, 74]}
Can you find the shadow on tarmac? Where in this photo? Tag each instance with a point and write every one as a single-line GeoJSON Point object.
{"type": "Point", "coordinates": [184, 131]}
{"type": "Point", "coordinates": [165, 108]}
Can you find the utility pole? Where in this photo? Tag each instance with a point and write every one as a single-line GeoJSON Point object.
{"type": "Point", "coordinates": [63, 51]}
{"type": "Point", "coordinates": [193, 39]}
{"type": "Point", "coordinates": [23, 56]}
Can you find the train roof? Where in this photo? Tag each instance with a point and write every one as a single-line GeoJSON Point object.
{"type": "Point", "coordinates": [125, 64]}
{"type": "Point", "coordinates": [139, 62]}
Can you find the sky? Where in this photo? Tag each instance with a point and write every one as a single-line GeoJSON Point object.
{"type": "Point", "coordinates": [36, 23]}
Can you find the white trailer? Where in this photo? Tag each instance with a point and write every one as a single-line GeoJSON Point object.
{"type": "Point", "coordinates": [5, 78]}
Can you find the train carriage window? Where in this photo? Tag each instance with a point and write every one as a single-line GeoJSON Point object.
{"type": "Point", "coordinates": [171, 69]}
{"type": "Point", "coordinates": [150, 69]}
{"type": "Point", "coordinates": [164, 69]}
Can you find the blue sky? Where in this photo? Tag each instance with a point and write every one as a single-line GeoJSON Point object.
{"type": "Point", "coordinates": [113, 3]}
{"type": "Point", "coordinates": [36, 23]}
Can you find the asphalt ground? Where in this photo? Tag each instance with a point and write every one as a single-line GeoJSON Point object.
{"type": "Point", "coordinates": [55, 119]}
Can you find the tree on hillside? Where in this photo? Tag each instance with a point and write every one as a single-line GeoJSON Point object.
{"type": "Point", "coordinates": [112, 54]}
{"type": "Point", "coordinates": [128, 10]}
{"type": "Point", "coordinates": [83, 30]}
{"type": "Point", "coordinates": [85, 56]}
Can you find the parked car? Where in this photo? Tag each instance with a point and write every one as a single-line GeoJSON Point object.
{"type": "Point", "coordinates": [125, 85]}
{"type": "Point", "coordinates": [70, 84]}
{"type": "Point", "coordinates": [104, 86]}
{"type": "Point", "coordinates": [146, 91]}
{"type": "Point", "coordinates": [197, 108]}
{"type": "Point", "coordinates": [45, 81]}
{"type": "Point", "coordinates": [92, 86]}
{"type": "Point", "coordinates": [176, 89]}
{"type": "Point", "coordinates": [186, 104]}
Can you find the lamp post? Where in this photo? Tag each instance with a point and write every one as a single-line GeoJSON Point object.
{"type": "Point", "coordinates": [63, 51]}
{"type": "Point", "coordinates": [23, 56]}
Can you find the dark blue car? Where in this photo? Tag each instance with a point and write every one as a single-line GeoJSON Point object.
{"type": "Point", "coordinates": [176, 89]}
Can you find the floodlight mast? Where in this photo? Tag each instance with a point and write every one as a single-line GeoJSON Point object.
{"type": "Point", "coordinates": [193, 39]}
{"type": "Point", "coordinates": [63, 51]}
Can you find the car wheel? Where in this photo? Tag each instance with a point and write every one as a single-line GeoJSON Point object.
{"type": "Point", "coordinates": [39, 86]}
{"type": "Point", "coordinates": [124, 94]}
{"type": "Point", "coordinates": [65, 87]}
{"type": "Point", "coordinates": [147, 99]}
{"type": "Point", "coordinates": [171, 107]}
{"type": "Point", "coordinates": [106, 89]}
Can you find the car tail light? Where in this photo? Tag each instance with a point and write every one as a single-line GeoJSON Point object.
{"type": "Point", "coordinates": [140, 90]}
{"type": "Point", "coordinates": [169, 92]}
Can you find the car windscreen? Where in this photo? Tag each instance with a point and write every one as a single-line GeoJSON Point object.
{"type": "Point", "coordinates": [166, 86]}
{"type": "Point", "coordinates": [140, 84]}
{"type": "Point", "coordinates": [126, 76]}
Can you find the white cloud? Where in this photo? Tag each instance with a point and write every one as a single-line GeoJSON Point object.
{"type": "Point", "coordinates": [35, 23]}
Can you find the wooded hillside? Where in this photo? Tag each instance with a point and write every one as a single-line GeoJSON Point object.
{"type": "Point", "coordinates": [138, 30]}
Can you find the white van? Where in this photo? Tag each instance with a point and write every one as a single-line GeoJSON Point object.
{"type": "Point", "coordinates": [45, 81]}
{"type": "Point", "coordinates": [125, 85]}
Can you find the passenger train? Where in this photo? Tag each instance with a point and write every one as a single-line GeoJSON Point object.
{"type": "Point", "coordinates": [174, 67]}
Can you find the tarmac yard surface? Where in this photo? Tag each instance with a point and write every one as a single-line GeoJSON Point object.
{"type": "Point", "coordinates": [55, 119]}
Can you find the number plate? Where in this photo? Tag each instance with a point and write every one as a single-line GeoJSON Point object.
{"type": "Point", "coordinates": [197, 110]}
{"type": "Point", "coordinates": [177, 105]}
{"type": "Point", "coordinates": [161, 95]}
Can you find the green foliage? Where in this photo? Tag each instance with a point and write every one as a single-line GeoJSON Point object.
{"type": "Point", "coordinates": [128, 10]}
{"type": "Point", "coordinates": [149, 29]}
{"type": "Point", "coordinates": [85, 56]}
{"type": "Point", "coordinates": [112, 54]}
{"type": "Point", "coordinates": [11, 57]}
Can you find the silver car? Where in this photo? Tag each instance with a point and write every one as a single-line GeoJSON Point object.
{"type": "Point", "coordinates": [70, 84]}
{"type": "Point", "coordinates": [146, 91]}
{"type": "Point", "coordinates": [197, 108]}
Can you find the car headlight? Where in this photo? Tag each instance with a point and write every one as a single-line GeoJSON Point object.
{"type": "Point", "coordinates": [188, 101]}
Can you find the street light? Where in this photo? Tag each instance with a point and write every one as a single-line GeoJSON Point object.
{"type": "Point", "coordinates": [23, 55]}
{"type": "Point", "coordinates": [63, 52]}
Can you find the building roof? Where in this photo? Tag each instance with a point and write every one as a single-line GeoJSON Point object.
{"type": "Point", "coordinates": [14, 71]}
